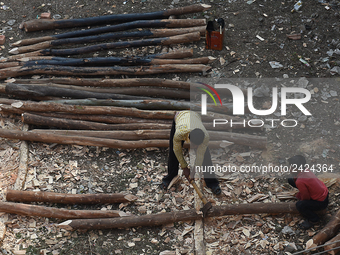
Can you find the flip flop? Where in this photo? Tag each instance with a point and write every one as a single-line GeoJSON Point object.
{"type": "Point", "coordinates": [216, 190]}
{"type": "Point", "coordinates": [165, 184]}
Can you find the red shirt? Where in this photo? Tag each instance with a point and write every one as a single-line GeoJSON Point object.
{"type": "Point", "coordinates": [310, 187]}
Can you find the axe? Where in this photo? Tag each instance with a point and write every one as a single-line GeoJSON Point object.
{"type": "Point", "coordinates": [207, 205]}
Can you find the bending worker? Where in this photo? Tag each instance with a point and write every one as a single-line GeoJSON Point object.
{"type": "Point", "coordinates": [188, 126]}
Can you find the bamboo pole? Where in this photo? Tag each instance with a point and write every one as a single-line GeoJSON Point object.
{"type": "Point", "coordinates": [62, 198]}
{"type": "Point", "coordinates": [98, 71]}
{"type": "Point", "coordinates": [149, 33]}
{"type": "Point", "coordinates": [45, 24]}
{"type": "Point", "coordinates": [59, 213]}
{"type": "Point", "coordinates": [175, 216]}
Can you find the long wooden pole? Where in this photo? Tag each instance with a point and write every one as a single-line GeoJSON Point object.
{"type": "Point", "coordinates": [99, 71]}
{"type": "Point", "coordinates": [168, 23]}
{"type": "Point", "coordinates": [149, 33]}
{"type": "Point", "coordinates": [43, 24]}
{"type": "Point", "coordinates": [62, 198]}
{"type": "Point", "coordinates": [185, 215]}
{"type": "Point", "coordinates": [59, 213]}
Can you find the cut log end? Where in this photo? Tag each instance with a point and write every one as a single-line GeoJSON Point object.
{"type": "Point", "coordinates": [206, 6]}
{"type": "Point", "coordinates": [211, 59]}
{"type": "Point", "coordinates": [310, 244]}
{"type": "Point", "coordinates": [65, 225]}
{"type": "Point", "coordinates": [17, 43]}
{"type": "Point", "coordinates": [14, 51]}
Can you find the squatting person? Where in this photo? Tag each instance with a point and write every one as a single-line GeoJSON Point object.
{"type": "Point", "coordinates": [313, 193]}
{"type": "Point", "coordinates": [188, 126]}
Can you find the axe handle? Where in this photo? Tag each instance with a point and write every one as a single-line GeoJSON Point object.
{"type": "Point", "coordinates": [200, 194]}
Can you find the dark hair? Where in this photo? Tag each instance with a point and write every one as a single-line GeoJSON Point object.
{"type": "Point", "coordinates": [297, 161]}
{"type": "Point", "coordinates": [196, 136]}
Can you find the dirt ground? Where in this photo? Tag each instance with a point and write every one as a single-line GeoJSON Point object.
{"type": "Point", "coordinates": [256, 34]}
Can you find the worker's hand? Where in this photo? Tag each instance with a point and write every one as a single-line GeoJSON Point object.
{"type": "Point", "coordinates": [186, 172]}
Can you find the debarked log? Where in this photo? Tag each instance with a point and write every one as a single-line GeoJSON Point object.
{"type": "Point", "coordinates": [29, 106]}
{"type": "Point", "coordinates": [149, 33]}
{"type": "Point", "coordinates": [332, 247]}
{"type": "Point", "coordinates": [184, 215]}
{"type": "Point", "coordinates": [39, 120]}
{"type": "Point", "coordinates": [62, 198]}
{"type": "Point", "coordinates": [95, 71]}
{"type": "Point", "coordinates": [45, 24]}
{"type": "Point", "coordinates": [59, 213]}
{"type": "Point", "coordinates": [131, 82]}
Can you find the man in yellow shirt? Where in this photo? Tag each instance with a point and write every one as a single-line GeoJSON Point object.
{"type": "Point", "coordinates": [188, 126]}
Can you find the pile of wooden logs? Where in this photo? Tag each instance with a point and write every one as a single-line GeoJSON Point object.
{"type": "Point", "coordinates": [36, 55]}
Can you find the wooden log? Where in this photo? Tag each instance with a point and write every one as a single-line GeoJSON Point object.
{"type": "Point", "coordinates": [329, 231]}
{"type": "Point", "coordinates": [132, 82]}
{"type": "Point", "coordinates": [28, 106]}
{"type": "Point", "coordinates": [108, 61]}
{"type": "Point", "coordinates": [44, 91]}
{"type": "Point", "coordinates": [59, 213]}
{"type": "Point", "coordinates": [177, 39]}
{"type": "Point", "coordinates": [38, 120]}
{"type": "Point", "coordinates": [62, 198]}
{"type": "Point", "coordinates": [104, 118]}
{"type": "Point", "coordinates": [149, 33]}
{"type": "Point", "coordinates": [167, 23]}
{"type": "Point", "coordinates": [45, 24]}
{"type": "Point", "coordinates": [153, 104]}
{"type": "Point", "coordinates": [184, 215]}
{"type": "Point", "coordinates": [95, 71]}
{"type": "Point", "coordinates": [332, 247]}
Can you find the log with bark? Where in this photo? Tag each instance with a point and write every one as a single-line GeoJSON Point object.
{"type": "Point", "coordinates": [134, 91]}
{"type": "Point", "coordinates": [39, 120]}
{"type": "Point", "coordinates": [28, 106]}
{"type": "Point", "coordinates": [107, 61]}
{"type": "Point", "coordinates": [184, 215]}
{"type": "Point", "coordinates": [62, 198]}
{"type": "Point", "coordinates": [45, 24]}
{"type": "Point", "coordinates": [98, 71]}
{"type": "Point", "coordinates": [166, 23]}
{"type": "Point", "coordinates": [99, 82]}
{"type": "Point", "coordinates": [90, 141]}
{"type": "Point", "coordinates": [329, 231]}
{"type": "Point", "coordinates": [59, 213]}
{"type": "Point", "coordinates": [177, 39]}
{"type": "Point", "coordinates": [333, 246]}
{"type": "Point", "coordinates": [149, 33]}
{"type": "Point", "coordinates": [236, 138]}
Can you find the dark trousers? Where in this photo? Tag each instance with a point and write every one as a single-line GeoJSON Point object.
{"type": "Point", "coordinates": [308, 207]}
{"type": "Point", "coordinates": [173, 164]}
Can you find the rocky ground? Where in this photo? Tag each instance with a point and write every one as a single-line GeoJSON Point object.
{"type": "Point", "coordinates": [256, 34]}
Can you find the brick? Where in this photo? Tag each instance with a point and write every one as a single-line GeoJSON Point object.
{"type": "Point", "coordinates": [45, 15]}
{"type": "Point", "coordinates": [2, 39]}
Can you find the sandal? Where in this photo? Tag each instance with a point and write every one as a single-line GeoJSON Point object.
{"type": "Point", "coordinates": [306, 225]}
{"type": "Point", "coordinates": [165, 184]}
{"type": "Point", "coordinates": [216, 190]}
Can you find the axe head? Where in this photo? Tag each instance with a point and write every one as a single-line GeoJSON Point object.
{"type": "Point", "coordinates": [206, 208]}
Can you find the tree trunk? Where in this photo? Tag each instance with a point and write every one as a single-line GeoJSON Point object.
{"type": "Point", "coordinates": [132, 82]}
{"type": "Point", "coordinates": [149, 33]}
{"type": "Point", "coordinates": [329, 231]}
{"type": "Point", "coordinates": [59, 213]}
{"type": "Point", "coordinates": [28, 106]}
{"type": "Point", "coordinates": [98, 71]}
{"type": "Point", "coordinates": [184, 215]}
{"type": "Point", "coordinates": [61, 198]}
{"type": "Point", "coordinates": [38, 120]}
{"type": "Point", "coordinates": [45, 24]}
